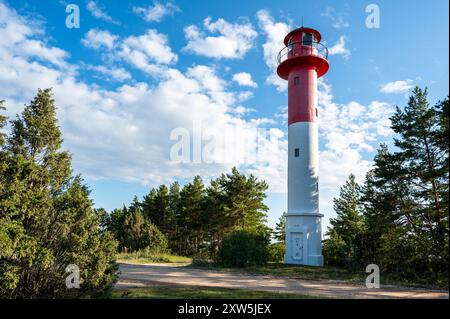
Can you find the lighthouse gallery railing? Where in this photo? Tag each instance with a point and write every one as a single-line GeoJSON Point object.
{"type": "Point", "coordinates": [301, 49]}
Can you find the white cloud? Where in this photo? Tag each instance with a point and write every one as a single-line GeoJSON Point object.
{"type": "Point", "coordinates": [97, 39]}
{"type": "Point", "coordinates": [339, 48]}
{"type": "Point", "coordinates": [338, 20]}
{"type": "Point", "coordinates": [244, 79]}
{"type": "Point", "coordinates": [231, 41]}
{"type": "Point", "coordinates": [275, 33]}
{"type": "Point", "coordinates": [114, 73]}
{"type": "Point", "coordinates": [99, 12]}
{"type": "Point", "coordinates": [401, 86]}
{"type": "Point", "coordinates": [151, 46]}
{"type": "Point", "coordinates": [149, 52]}
{"type": "Point", "coordinates": [245, 95]}
{"type": "Point", "coordinates": [241, 110]}
{"type": "Point", "coordinates": [348, 132]}
{"type": "Point", "coordinates": [138, 151]}
{"type": "Point", "coordinates": [157, 11]}
{"type": "Point", "coordinates": [18, 39]}
{"type": "Point", "coordinates": [89, 117]}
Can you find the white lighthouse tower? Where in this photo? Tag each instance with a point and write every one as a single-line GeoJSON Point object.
{"type": "Point", "coordinates": [301, 63]}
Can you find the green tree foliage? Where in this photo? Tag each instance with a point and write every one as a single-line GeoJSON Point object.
{"type": "Point", "coordinates": [348, 226]}
{"type": "Point", "coordinates": [335, 250]}
{"type": "Point", "coordinates": [3, 120]}
{"type": "Point", "coordinates": [405, 198]}
{"type": "Point", "coordinates": [276, 252]}
{"type": "Point", "coordinates": [215, 214]}
{"type": "Point", "coordinates": [46, 217]}
{"type": "Point", "coordinates": [279, 233]}
{"type": "Point", "coordinates": [243, 248]}
{"type": "Point", "coordinates": [134, 231]}
{"type": "Point", "coordinates": [195, 218]}
{"type": "Point", "coordinates": [192, 223]}
{"type": "Point", "coordinates": [244, 200]}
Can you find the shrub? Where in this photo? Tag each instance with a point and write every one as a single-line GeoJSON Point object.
{"type": "Point", "coordinates": [335, 250]}
{"type": "Point", "coordinates": [244, 248]}
{"type": "Point", "coordinates": [276, 252]}
{"type": "Point", "coordinates": [141, 234]}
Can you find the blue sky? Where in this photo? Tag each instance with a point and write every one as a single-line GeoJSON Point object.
{"type": "Point", "coordinates": [136, 70]}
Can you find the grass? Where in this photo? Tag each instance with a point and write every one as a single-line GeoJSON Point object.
{"type": "Point", "coordinates": [194, 292]}
{"type": "Point", "coordinates": [143, 257]}
{"type": "Point", "coordinates": [320, 273]}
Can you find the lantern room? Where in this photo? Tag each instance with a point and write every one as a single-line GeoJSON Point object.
{"type": "Point", "coordinates": [303, 47]}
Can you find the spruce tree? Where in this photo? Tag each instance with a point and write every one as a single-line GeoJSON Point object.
{"type": "Point", "coordinates": [280, 229]}
{"type": "Point", "coordinates": [348, 226]}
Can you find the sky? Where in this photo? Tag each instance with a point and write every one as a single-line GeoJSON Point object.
{"type": "Point", "coordinates": [134, 80]}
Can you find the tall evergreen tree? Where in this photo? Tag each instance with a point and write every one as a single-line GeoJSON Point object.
{"type": "Point", "coordinates": [280, 229]}
{"type": "Point", "coordinates": [161, 207]}
{"type": "Point", "coordinates": [46, 217]}
{"type": "Point", "coordinates": [215, 217]}
{"type": "Point", "coordinates": [244, 202]}
{"type": "Point", "coordinates": [192, 198]}
{"type": "Point", "coordinates": [406, 193]}
{"type": "Point", "coordinates": [173, 215]}
{"type": "Point", "coordinates": [348, 226]}
{"type": "Point", "coordinates": [148, 206]}
{"type": "Point", "coordinates": [423, 159]}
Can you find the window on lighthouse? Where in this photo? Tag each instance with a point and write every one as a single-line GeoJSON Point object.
{"type": "Point", "coordinates": [308, 39]}
{"type": "Point", "coordinates": [290, 44]}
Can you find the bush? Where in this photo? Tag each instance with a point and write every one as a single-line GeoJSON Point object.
{"type": "Point", "coordinates": [141, 234]}
{"type": "Point", "coordinates": [335, 250]}
{"type": "Point", "coordinates": [244, 248]}
{"type": "Point", "coordinates": [276, 252]}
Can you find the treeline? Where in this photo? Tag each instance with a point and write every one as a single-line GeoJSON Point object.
{"type": "Point", "coordinates": [194, 219]}
{"type": "Point", "coordinates": [398, 219]}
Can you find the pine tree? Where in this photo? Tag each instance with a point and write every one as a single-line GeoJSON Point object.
{"type": "Point", "coordinates": [173, 215]}
{"type": "Point", "coordinates": [406, 193]}
{"type": "Point", "coordinates": [161, 207]}
{"type": "Point", "coordinates": [424, 168]}
{"type": "Point", "coordinates": [215, 216]}
{"type": "Point", "coordinates": [280, 229]}
{"type": "Point", "coordinates": [192, 198]}
{"type": "Point", "coordinates": [348, 225]}
{"type": "Point", "coordinates": [148, 206]}
{"type": "Point", "coordinates": [46, 217]}
{"type": "Point", "coordinates": [244, 202]}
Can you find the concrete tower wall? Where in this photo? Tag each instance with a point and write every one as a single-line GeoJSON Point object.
{"type": "Point", "coordinates": [301, 65]}
{"type": "Point", "coordinates": [303, 168]}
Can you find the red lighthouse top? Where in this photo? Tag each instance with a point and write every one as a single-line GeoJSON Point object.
{"type": "Point", "coordinates": [303, 47]}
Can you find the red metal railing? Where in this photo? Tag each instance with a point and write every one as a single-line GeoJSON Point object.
{"type": "Point", "coordinates": [302, 49]}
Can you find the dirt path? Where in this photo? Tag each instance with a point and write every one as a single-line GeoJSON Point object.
{"type": "Point", "coordinates": [133, 275]}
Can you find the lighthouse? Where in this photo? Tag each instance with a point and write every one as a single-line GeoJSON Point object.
{"type": "Point", "coordinates": [301, 63]}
